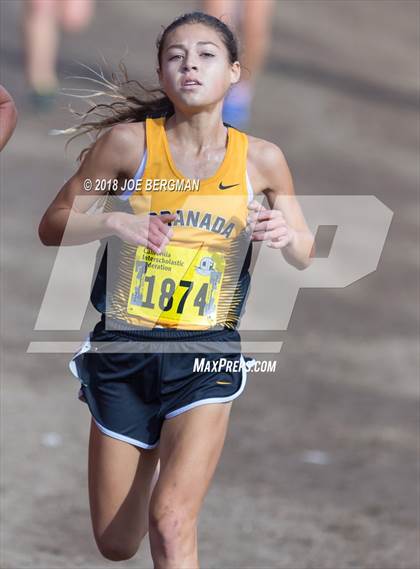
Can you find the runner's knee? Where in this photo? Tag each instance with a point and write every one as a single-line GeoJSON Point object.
{"type": "Point", "coordinates": [116, 550]}
{"type": "Point", "coordinates": [171, 525]}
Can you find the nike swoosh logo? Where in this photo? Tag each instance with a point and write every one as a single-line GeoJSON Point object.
{"type": "Point", "coordinates": [222, 187]}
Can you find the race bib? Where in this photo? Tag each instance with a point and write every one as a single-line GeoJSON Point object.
{"type": "Point", "coordinates": [181, 286]}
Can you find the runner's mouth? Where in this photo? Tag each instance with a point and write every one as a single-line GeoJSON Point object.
{"type": "Point", "coordinates": [190, 83]}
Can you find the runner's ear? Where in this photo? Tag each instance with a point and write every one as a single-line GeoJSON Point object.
{"type": "Point", "coordinates": [235, 72]}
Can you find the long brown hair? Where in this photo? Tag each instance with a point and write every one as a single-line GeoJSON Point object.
{"type": "Point", "coordinates": [135, 102]}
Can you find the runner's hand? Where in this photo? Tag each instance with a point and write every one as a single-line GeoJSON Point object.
{"type": "Point", "coordinates": [269, 225]}
{"type": "Point", "coordinates": [152, 231]}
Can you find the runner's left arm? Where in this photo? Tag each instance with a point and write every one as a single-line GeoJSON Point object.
{"type": "Point", "coordinates": [283, 226]}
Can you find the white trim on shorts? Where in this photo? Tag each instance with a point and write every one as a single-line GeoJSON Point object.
{"type": "Point", "coordinates": [213, 399]}
{"type": "Point", "coordinates": [124, 438]}
{"type": "Point", "coordinates": [85, 348]}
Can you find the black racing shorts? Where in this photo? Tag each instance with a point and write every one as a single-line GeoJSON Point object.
{"type": "Point", "coordinates": [134, 379]}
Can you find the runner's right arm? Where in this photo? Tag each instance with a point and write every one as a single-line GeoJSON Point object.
{"type": "Point", "coordinates": [112, 157]}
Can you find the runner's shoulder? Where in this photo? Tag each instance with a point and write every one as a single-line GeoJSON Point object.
{"type": "Point", "coordinates": [266, 158]}
{"type": "Point", "coordinates": [127, 138]}
{"type": "Point", "coordinates": [122, 144]}
{"type": "Point", "coordinates": [127, 132]}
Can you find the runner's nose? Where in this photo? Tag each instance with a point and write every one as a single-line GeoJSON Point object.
{"type": "Point", "coordinates": [190, 63]}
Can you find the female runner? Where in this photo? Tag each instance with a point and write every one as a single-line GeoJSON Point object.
{"type": "Point", "coordinates": [176, 271]}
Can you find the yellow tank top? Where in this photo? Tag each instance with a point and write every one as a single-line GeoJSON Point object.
{"type": "Point", "coordinates": [201, 279]}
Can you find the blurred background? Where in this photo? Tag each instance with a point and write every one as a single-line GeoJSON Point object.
{"type": "Point", "coordinates": [320, 466]}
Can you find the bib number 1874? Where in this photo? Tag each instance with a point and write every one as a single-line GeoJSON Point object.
{"type": "Point", "coordinates": [188, 294]}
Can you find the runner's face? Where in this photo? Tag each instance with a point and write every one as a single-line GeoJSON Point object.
{"type": "Point", "coordinates": [195, 71]}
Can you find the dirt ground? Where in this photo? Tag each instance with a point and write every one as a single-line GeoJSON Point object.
{"type": "Point", "coordinates": [320, 468]}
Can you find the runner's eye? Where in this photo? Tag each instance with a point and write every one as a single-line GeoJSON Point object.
{"type": "Point", "coordinates": [177, 56]}
{"type": "Point", "coordinates": [208, 54]}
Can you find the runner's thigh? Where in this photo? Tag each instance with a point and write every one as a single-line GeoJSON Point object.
{"type": "Point", "coordinates": [190, 447]}
{"type": "Point", "coordinates": [120, 480]}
